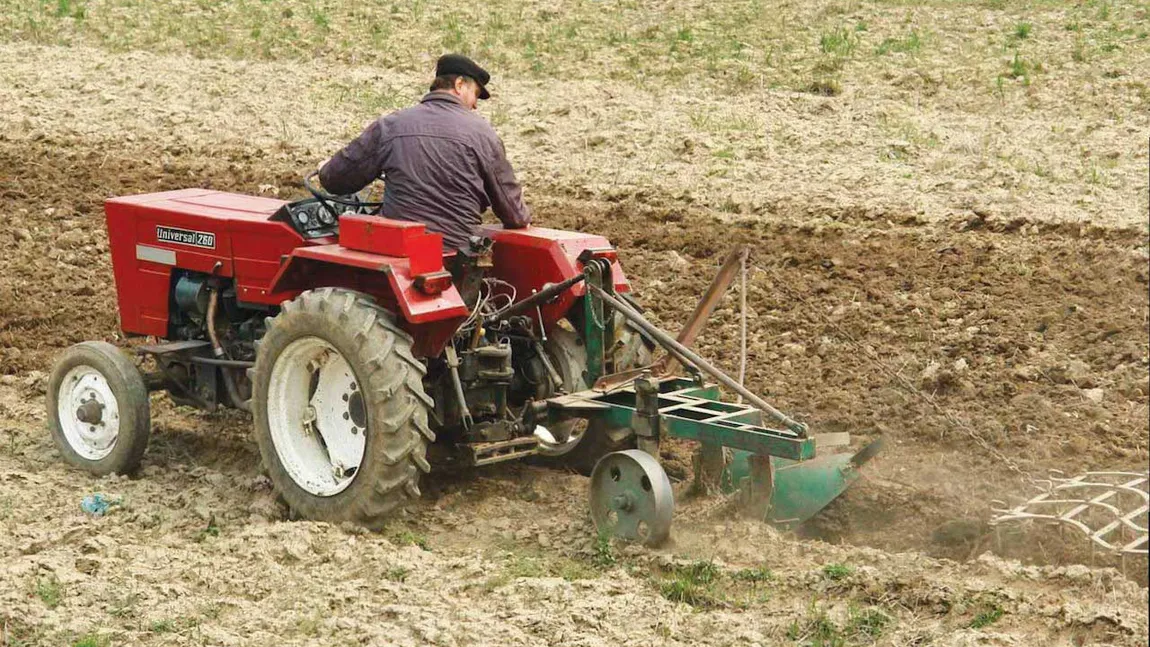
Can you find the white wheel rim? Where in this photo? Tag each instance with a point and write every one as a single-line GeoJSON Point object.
{"type": "Point", "coordinates": [89, 413]}
{"type": "Point", "coordinates": [320, 436]}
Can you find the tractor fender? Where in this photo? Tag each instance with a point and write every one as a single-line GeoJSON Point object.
{"type": "Point", "coordinates": [431, 319]}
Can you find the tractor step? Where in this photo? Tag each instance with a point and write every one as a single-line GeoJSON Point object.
{"type": "Point", "coordinates": [503, 450]}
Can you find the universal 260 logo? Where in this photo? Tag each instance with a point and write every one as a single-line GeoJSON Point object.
{"type": "Point", "coordinates": [205, 239]}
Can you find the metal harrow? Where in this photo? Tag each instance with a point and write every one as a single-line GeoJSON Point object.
{"type": "Point", "coordinates": [1110, 508]}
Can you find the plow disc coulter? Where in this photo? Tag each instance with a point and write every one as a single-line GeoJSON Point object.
{"type": "Point", "coordinates": [368, 359]}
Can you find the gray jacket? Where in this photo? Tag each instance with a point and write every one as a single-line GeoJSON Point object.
{"type": "Point", "coordinates": [443, 166]}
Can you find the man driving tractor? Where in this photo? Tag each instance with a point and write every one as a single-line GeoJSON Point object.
{"type": "Point", "coordinates": [444, 165]}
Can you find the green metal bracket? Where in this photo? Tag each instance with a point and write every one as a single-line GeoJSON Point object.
{"type": "Point", "coordinates": [598, 320]}
{"type": "Point", "coordinates": [690, 410]}
{"type": "Point", "coordinates": [594, 325]}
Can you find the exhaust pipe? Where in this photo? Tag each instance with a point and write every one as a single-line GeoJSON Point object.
{"type": "Point", "coordinates": [218, 351]}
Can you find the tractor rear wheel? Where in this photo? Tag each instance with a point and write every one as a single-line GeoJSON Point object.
{"type": "Point", "coordinates": [98, 409]}
{"type": "Point", "coordinates": [341, 417]}
{"type": "Point", "coordinates": [588, 441]}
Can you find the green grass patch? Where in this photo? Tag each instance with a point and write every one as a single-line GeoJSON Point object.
{"type": "Point", "coordinates": [987, 617]}
{"type": "Point", "coordinates": [407, 537]}
{"type": "Point", "coordinates": [531, 564]}
{"type": "Point", "coordinates": [760, 574]}
{"type": "Point", "coordinates": [693, 584]}
{"type": "Point", "coordinates": [210, 530]}
{"type": "Point", "coordinates": [626, 40]}
{"type": "Point", "coordinates": [909, 44]}
{"type": "Point", "coordinates": [92, 640]}
{"type": "Point", "coordinates": [837, 572]}
{"type": "Point", "coordinates": [727, 46]}
{"type": "Point", "coordinates": [603, 552]}
{"type": "Point", "coordinates": [704, 585]}
{"type": "Point", "coordinates": [867, 624]}
{"type": "Point", "coordinates": [50, 591]}
{"type": "Point", "coordinates": [1078, 52]}
{"type": "Point", "coordinates": [1020, 68]}
{"type": "Point", "coordinates": [397, 573]}
{"type": "Point", "coordinates": [817, 629]}
{"type": "Point", "coordinates": [839, 42]}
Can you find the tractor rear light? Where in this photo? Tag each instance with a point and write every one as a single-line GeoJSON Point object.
{"type": "Point", "coordinates": [434, 283]}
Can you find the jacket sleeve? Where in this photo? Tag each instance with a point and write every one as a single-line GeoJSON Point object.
{"type": "Point", "coordinates": [357, 164]}
{"type": "Point", "coordinates": [503, 191]}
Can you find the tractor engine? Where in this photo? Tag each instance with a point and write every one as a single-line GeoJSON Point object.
{"type": "Point", "coordinates": [219, 341]}
{"type": "Point", "coordinates": [238, 327]}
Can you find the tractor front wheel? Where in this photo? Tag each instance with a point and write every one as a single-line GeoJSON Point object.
{"type": "Point", "coordinates": [341, 417]}
{"type": "Point", "coordinates": [98, 409]}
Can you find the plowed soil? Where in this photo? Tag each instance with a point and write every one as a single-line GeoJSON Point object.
{"type": "Point", "coordinates": [987, 344]}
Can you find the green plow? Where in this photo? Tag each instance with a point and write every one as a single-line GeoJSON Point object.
{"type": "Point", "coordinates": [801, 489]}
{"type": "Point", "coordinates": [786, 477]}
{"type": "Point", "coordinates": [785, 474]}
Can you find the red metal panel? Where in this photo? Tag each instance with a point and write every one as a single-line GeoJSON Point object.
{"type": "Point", "coordinates": [425, 254]}
{"type": "Point", "coordinates": [393, 238]}
{"type": "Point", "coordinates": [141, 286]}
{"type": "Point", "coordinates": [532, 257]}
{"type": "Point", "coordinates": [258, 250]}
{"type": "Point", "coordinates": [377, 234]}
{"type": "Point", "coordinates": [246, 245]}
{"type": "Point", "coordinates": [143, 283]}
{"type": "Point", "coordinates": [416, 307]}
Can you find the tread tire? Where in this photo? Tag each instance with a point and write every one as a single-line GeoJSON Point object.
{"type": "Point", "coordinates": [570, 357]}
{"type": "Point", "coordinates": [379, 353]}
{"type": "Point", "coordinates": [127, 385]}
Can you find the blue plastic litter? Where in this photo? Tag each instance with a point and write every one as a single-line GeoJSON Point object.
{"type": "Point", "coordinates": [96, 504]}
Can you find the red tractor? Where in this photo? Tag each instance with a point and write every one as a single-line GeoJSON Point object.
{"type": "Point", "coordinates": [366, 356]}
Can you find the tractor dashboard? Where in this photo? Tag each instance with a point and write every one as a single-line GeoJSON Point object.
{"type": "Point", "coordinates": [310, 218]}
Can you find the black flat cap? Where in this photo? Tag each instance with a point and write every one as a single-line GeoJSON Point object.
{"type": "Point", "coordinates": [460, 65]}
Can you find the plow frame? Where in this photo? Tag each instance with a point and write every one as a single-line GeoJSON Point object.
{"type": "Point", "coordinates": [782, 477]}
{"type": "Point", "coordinates": [779, 470]}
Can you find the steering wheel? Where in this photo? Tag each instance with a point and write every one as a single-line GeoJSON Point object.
{"type": "Point", "coordinates": [328, 201]}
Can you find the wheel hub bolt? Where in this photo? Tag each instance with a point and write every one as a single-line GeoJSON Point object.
{"type": "Point", "coordinates": [621, 502]}
{"type": "Point", "coordinates": [91, 412]}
